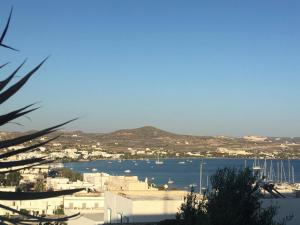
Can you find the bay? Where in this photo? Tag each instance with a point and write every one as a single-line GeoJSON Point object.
{"type": "Point", "coordinates": [184, 172]}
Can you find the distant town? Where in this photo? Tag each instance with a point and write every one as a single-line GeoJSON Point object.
{"type": "Point", "coordinates": [97, 202]}
{"type": "Point", "coordinates": [149, 142]}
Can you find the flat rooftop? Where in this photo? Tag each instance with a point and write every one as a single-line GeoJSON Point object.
{"type": "Point", "coordinates": [152, 195]}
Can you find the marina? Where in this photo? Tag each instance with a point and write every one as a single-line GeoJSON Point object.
{"type": "Point", "coordinates": [188, 174]}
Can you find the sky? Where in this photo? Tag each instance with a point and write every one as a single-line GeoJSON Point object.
{"type": "Point", "coordinates": [190, 67]}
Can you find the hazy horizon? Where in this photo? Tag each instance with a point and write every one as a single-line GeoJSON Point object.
{"type": "Point", "coordinates": [170, 131]}
{"type": "Point", "coordinates": [203, 68]}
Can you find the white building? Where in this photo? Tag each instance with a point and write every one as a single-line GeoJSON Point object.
{"type": "Point", "coordinates": [98, 179]}
{"type": "Point", "coordinates": [34, 173]}
{"type": "Point", "coordinates": [255, 138]}
{"type": "Point", "coordinates": [103, 181]}
{"type": "Point", "coordinates": [37, 207]}
{"type": "Point", "coordinates": [86, 203]}
{"type": "Point", "coordinates": [127, 183]}
{"type": "Point", "coordinates": [141, 206]}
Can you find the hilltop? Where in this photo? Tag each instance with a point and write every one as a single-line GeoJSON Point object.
{"type": "Point", "coordinates": [146, 132]}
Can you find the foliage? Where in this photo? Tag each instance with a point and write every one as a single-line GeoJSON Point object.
{"type": "Point", "coordinates": [2, 179]}
{"type": "Point", "coordinates": [234, 200]}
{"type": "Point", "coordinates": [72, 175]}
{"type": "Point", "coordinates": [193, 211]}
{"type": "Point", "coordinates": [13, 179]}
{"type": "Point", "coordinates": [39, 186]}
{"type": "Point", "coordinates": [11, 167]}
{"type": "Point", "coordinates": [24, 211]}
{"type": "Point", "coordinates": [25, 187]}
{"type": "Point", "coordinates": [59, 211]}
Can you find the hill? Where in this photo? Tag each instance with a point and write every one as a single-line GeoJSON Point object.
{"type": "Point", "coordinates": [147, 132]}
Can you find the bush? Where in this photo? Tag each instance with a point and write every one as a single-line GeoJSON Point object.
{"type": "Point", "coordinates": [59, 211]}
{"type": "Point", "coordinates": [234, 200]}
{"type": "Point", "coordinates": [13, 179]}
{"type": "Point", "coordinates": [192, 211]}
{"type": "Point", "coordinates": [72, 175]}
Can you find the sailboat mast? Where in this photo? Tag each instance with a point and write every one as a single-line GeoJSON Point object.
{"type": "Point", "coordinates": [278, 178]}
{"type": "Point", "coordinates": [289, 163]}
{"type": "Point", "coordinates": [265, 169]}
{"type": "Point", "coordinates": [280, 171]}
{"type": "Point", "coordinates": [206, 182]}
{"type": "Point", "coordinates": [201, 170]}
{"type": "Point", "coordinates": [293, 174]}
{"type": "Point", "coordinates": [271, 171]}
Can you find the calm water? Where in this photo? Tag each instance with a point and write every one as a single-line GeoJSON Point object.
{"type": "Point", "coordinates": [184, 172]}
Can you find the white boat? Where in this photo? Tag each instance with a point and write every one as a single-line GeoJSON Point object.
{"type": "Point", "coordinates": [94, 169]}
{"type": "Point", "coordinates": [136, 164]}
{"type": "Point", "coordinates": [181, 162]}
{"type": "Point", "coordinates": [170, 181]}
{"type": "Point", "coordinates": [158, 162]}
{"type": "Point", "coordinates": [127, 171]}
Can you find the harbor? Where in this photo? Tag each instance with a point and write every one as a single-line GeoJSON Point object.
{"type": "Point", "coordinates": [185, 173]}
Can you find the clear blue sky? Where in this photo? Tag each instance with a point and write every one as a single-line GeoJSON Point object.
{"type": "Point", "coordinates": [195, 67]}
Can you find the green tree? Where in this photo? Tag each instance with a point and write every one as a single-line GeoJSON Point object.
{"type": "Point", "coordinates": [192, 211]}
{"type": "Point", "coordinates": [235, 199]}
{"type": "Point", "coordinates": [59, 211]}
{"type": "Point", "coordinates": [72, 175]}
{"type": "Point", "coordinates": [13, 179]}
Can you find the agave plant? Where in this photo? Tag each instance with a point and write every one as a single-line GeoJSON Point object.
{"type": "Point", "coordinates": [8, 166]}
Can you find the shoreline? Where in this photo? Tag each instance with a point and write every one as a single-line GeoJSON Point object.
{"type": "Point", "coordinates": [182, 158]}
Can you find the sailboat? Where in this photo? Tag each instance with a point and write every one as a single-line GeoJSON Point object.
{"type": "Point", "coordinates": [158, 162]}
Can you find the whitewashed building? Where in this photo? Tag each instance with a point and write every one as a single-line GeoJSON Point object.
{"type": "Point", "coordinates": [141, 206]}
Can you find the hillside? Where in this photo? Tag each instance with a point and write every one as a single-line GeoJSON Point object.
{"type": "Point", "coordinates": [147, 132]}
{"type": "Point", "coordinates": [151, 137]}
